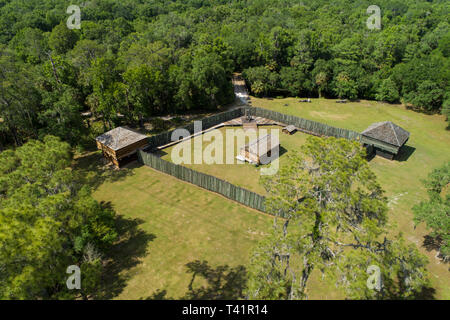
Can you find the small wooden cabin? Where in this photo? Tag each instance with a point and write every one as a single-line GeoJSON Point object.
{"type": "Point", "coordinates": [120, 145]}
{"type": "Point", "coordinates": [385, 139]}
{"type": "Point", "coordinates": [259, 149]}
{"type": "Point", "coordinates": [290, 129]}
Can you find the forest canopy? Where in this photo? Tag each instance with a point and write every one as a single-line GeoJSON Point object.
{"type": "Point", "coordinates": [136, 58]}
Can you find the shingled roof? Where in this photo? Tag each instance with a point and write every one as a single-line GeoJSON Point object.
{"type": "Point", "coordinates": [260, 145]}
{"type": "Point", "coordinates": [120, 137]}
{"type": "Point", "coordinates": [290, 128]}
{"type": "Point", "coordinates": [387, 132]}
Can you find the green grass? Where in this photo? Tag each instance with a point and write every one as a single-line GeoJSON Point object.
{"type": "Point", "coordinates": [174, 224]}
{"type": "Point", "coordinates": [401, 180]}
{"type": "Point", "coordinates": [241, 174]}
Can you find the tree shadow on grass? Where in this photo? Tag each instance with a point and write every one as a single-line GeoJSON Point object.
{"type": "Point", "coordinates": [431, 243]}
{"type": "Point", "coordinates": [94, 170]}
{"type": "Point", "coordinates": [425, 293]}
{"type": "Point", "coordinates": [434, 244]}
{"type": "Point", "coordinates": [222, 283]}
{"type": "Point", "coordinates": [160, 294]}
{"type": "Point", "coordinates": [124, 255]}
{"type": "Point", "coordinates": [228, 283]}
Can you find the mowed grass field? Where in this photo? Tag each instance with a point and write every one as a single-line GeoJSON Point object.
{"type": "Point", "coordinates": [429, 148]}
{"type": "Point", "coordinates": [175, 234]}
{"type": "Point", "coordinates": [177, 225]}
{"type": "Point", "coordinates": [177, 230]}
{"type": "Point", "coordinates": [242, 174]}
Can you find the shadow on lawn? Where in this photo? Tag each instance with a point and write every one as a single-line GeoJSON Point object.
{"type": "Point", "coordinates": [94, 170]}
{"type": "Point", "coordinates": [434, 244]}
{"type": "Point", "coordinates": [403, 155]}
{"type": "Point", "coordinates": [405, 152]}
{"type": "Point", "coordinates": [222, 283]}
{"type": "Point", "coordinates": [282, 151]}
{"type": "Point", "coordinates": [424, 293]}
{"type": "Point", "coordinates": [431, 243]}
{"type": "Point", "coordinates": [124, 255]}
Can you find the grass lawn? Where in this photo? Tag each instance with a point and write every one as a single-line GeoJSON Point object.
{"type": "Point", "coordinates": [241, 174]}
{"type": "Point", "coordinates": [177, 232]}
{"type": "Point", "coordinates": [430, 146]}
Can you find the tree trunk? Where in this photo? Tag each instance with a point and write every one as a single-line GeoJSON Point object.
{"type": "Point", "coordinates": [305, 276]}
{"type": "Point", "coordinates": [104, 122]}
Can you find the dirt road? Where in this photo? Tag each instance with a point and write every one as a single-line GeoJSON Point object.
{"type": "Point", "coordinates": [240, 90]}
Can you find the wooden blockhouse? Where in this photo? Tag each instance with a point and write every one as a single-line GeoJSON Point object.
{"type": "Point", "coordinates": [120, 145]}
{"type": "Point", "coordinates": [385, 139]}
{"type": "Point", "coordinates": [258, 150]}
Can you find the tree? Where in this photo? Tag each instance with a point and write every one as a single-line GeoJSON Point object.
{"type": "Point", "coordinates": [446, 111]}
{"type": "Point", "coordinates": [19, 100]}
{"type": "Point", "coordinates": [345, 87]}
{"type": "Point", "coordinates": [62, 39]}
{"type": "Point", "coordinates": [144, 87]}
{"type": "Point", "coordinates": [390, 45]}
{"type": "Point", "coordinates": [435, 212]}
{"type": "Point", "coordinates": [61, 114]}
{"type": "Point", "coordinates": [422, 81]}
{"type": "Point", "coordinates": [259, 80]}
{"type": "Point", "coordinates": [201, 79]}
{"type": "Point", "coordinates": [30, 45]}
{"type": "Point", "coordinates": [294, 81]}
{"type": "Point", "coordinates": [105, 83]}
{"type": "Point", "coordinates": [82, 56]}
{"type": "Point", "coordinates": [321, 82]}
{"type": "Point", "coordinates": [303, 56]}
{"type": "Point", "coordinates": [48, 221]}
{"type": "Point", "coordinates": [155, 55]}
{"type": "Point", "coordinates": [387, 91]}
{"type": "Point", "coordinates": [60, 100]}
{"type": "Point", "coordinates": [331, 217]}
{"type": "Point", "coordinates": [212, 79]}
{"type": "Point", "coordinates": [428, 96]}
{"type": "Point", "coordinates": [322, 74]}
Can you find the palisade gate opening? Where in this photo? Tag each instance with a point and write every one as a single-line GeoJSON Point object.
{"type": "Point", "coordinates": [259, 147]}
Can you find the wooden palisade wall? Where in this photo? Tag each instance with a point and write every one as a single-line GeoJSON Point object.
{"type": "Point", "coordinates": [211, 183]}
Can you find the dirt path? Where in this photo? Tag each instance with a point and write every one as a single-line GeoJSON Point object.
{"type": "Point", "coordinates": [240, 90]}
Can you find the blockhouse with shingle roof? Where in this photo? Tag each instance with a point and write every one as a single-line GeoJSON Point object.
{"type": "Point", "coordinates": [259, 149]}
{"type": "Point", "coordinates": [385, 138]}
{"type": "Point", "coordinates": [120, 144]}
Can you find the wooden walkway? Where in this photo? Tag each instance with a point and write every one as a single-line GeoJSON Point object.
{"type": "Point", "coordinates": [250, 126]}
{"type": "Point", "coordinates": [259, 121]}
{"type": "Point", "coordinates": [240, 90]}
{"type": "Point", "coordinates": [190, 137]}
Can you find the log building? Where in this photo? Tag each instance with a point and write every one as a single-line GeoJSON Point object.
{"type": "Point", "coordinates": [119, 145]}
{"type": "Point", "coordinates": [259, 150]}
{"type": "Point", "coordinates": [385, 139]}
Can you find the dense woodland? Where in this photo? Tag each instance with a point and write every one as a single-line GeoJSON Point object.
{"type": "Point", "coordinates": [136, 58]}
